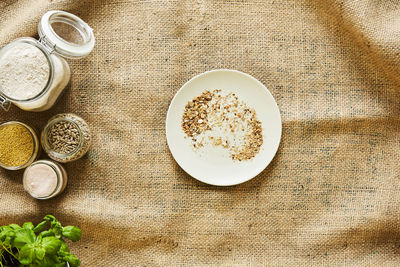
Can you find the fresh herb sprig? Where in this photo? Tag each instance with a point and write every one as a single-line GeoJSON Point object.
{"type": "Point", "coordinates": [35, 246]}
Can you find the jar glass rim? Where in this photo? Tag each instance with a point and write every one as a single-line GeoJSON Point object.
{"type": "Point", "coordinates": [35, 146]}
{"type": "Point", "coordinates": [38, 45]}
{"type": "Point", "coordinates": [57, 171]}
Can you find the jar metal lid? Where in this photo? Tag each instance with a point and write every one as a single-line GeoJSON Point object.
{"type": "Point", "coordinates": [57, 40]}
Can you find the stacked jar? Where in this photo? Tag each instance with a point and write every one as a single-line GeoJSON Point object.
{"type": "Point", "coordinates": [65, 138]}
{"type": "Point", "coordinates": [33, 76]}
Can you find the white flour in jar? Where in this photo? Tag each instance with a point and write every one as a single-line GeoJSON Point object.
{"type": "Point", "coordinates": [24, 71]}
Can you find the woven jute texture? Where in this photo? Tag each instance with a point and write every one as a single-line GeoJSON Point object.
{"type": "Point", "coordinates": [330, 197]}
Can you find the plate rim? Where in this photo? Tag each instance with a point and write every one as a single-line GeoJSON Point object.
{"type": "Point", "coordinates": [246, 179]}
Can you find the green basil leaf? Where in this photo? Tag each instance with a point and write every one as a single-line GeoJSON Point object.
{"type": "Point", "coordinates": [56, 228]}
{"type": "Point", "coordinates": [23, 236]}
{"type": "Point", "coordinates": [57, 232]}
{"type": "Point", "coordinates": [72, 232]}
{"type": "Point", "coordinates": [39, 239]}
{"type": "Point", "coordinates": [64, 247]}
{"type": "Point", "coordinates": [26, 254]}
{"type": "Point", "coordinates": [7, 241]}
{"type": "Point", "coordinates": [47, 261]}
{"type": "Point", "coordinates": [55, 225]}
{"type": "Point", "coordinates": [46, 233]}
{"type": "Point", "coordinates": [72, 260]}
{"type": "Point", "coordinates": [28, 225]}
{"type": "Point", "coordinates": [40, 227]}
{"type": "Point", "coordinates": [50, 218]}
{"type": "Point", "coordinates": [7, 235]}
{"type": "Point", "coordinates": [51, 244]}
{"type": "Point", "coordinates": [3, 235]}
{"type": "Point", "coordinates": [14, 226]}
{"type": "Point", "coordinates": [40, 252]}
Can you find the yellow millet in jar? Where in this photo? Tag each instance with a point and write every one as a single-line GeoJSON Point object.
{"type": "Point", "coordinates": [16, 145]}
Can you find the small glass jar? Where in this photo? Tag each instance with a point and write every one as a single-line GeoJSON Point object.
{"type": "Point", "coordinates": [45, 179]}
{"type": "Point", "coordinates": [54, 140]}
{"type": "Point", "coordinates": [35, 149]}
{"type": "Point", "coordinates": [62, 34]}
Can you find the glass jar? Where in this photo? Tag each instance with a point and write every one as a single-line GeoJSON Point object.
{"type": "Point", "coordinates": [35, 146]}
{"type": "Point", "coordinates": [62, 34]}
{"type": "Point", "coordinates": [66, 137]}
{"type": "Point", "coordinates": [45, 179]}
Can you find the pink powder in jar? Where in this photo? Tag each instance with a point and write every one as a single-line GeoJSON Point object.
{"type": "Point", "coordinates": [44, 179]}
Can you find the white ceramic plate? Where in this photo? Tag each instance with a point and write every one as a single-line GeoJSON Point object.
{"type": "Point", "coordinates": [211, 167]}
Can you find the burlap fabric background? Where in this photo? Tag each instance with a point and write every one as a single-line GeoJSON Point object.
{"type": "Point", "coordinates": [331, 195]}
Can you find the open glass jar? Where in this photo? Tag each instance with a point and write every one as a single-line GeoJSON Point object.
{"type": "Point", "coordinates": [19, 145]}
{"type": "Point", "coordinates": [33, 73]}
{"type": "Point", "coordinates": [66, 137]}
